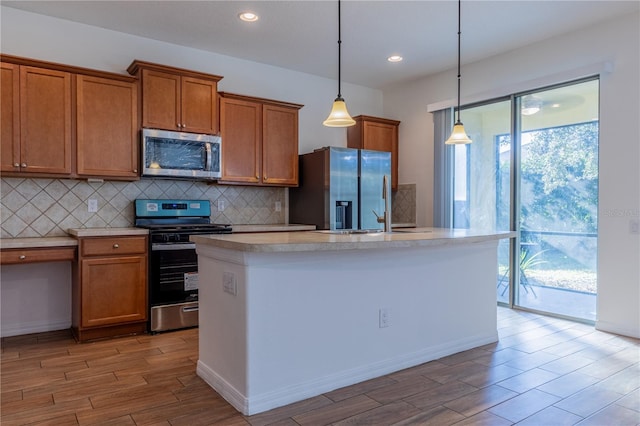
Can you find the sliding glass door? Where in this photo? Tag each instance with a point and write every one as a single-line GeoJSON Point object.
{"type": "Point", "coordinates": [533, 168]}
{"type": "Point", "coordinates": [481, 179]}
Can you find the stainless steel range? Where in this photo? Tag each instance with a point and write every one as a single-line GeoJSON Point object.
{"type": "Point", "coordinates": [173, 263]}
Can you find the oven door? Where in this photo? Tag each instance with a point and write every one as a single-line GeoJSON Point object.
{"type": "Point", "coordinates": [173, 273]}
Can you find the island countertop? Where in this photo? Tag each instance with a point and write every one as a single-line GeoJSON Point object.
{"type": "Point", "coordinates": [329, 240]}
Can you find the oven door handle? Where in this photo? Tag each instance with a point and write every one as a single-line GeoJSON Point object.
{"type": "Point", "coordinates": [191, 308]}
{"type": "Point", "coordinates": [172, 246]}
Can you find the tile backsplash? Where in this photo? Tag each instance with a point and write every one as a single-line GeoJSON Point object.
{"type": "Point", "coordinates": [403, 204]}
{"type": "Point", "coordinates": [48, 207]}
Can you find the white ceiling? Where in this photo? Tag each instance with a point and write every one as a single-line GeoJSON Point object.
{"type": "Point", "coordinates": [302, 35]}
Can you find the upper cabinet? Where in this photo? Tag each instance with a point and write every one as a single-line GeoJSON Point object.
{"type": "Point", "coordinates": [53, 114]}
{"type": "Point", "coordinates": [10, 117]}
{"type": "Point", "coordinates": [378, 134]}
{"type": "Point", "coordinates": [36, 108]}
{"type": "Point", "coordinates": [105, 149]}
{"type": "Point", "coordinates": [259, 140]}
{"type": "Point", "coordinates": [177, 99]}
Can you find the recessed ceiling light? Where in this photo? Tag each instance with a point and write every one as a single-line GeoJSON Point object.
{"type": "Point", "coordinates": [248, 16]}
{"type": "Point", "coordinates": [394, 58]}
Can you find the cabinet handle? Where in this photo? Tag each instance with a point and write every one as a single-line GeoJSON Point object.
{"type": "Point", "coordinates": [179, 125]}
{"type": "Point", "coordinates": [16, 164]}
{"type": "Point", "coordinates": [22, 257]}
{"type": "Point", "coordinates": [23, 165]}
{"type": "Point", "coordinates": [115, 246]}
{"type": "Point", "coordinates": [264, 177]}
{"type": "Point", "coordinates": [135, 170]}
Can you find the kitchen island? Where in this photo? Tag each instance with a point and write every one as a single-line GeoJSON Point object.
{"type": "Point", "coordinates": [287, 316]}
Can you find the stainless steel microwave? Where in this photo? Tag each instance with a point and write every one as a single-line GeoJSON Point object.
{"type": "Point", "coordinates": [181, 154]}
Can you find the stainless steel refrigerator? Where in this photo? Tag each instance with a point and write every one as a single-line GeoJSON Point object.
{"type": "Point", "coordinates": [341, 189]}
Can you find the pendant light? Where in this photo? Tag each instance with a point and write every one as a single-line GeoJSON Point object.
{"type": "Point", "coordinates": [458, 134]}
{"type": "Point", "coordinates": [339, 116]}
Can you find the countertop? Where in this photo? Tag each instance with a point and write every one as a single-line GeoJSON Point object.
{"type": "Point", "coordinates": [37, 242]}
{"type": "Point", "coordinates": [71, 241]}
{"type": "Point", "coordinates": [325, 240]}
{"type": "Point", "coordinates": [281, 227]}
{"type": "Point", "coordinates": [106, 232]}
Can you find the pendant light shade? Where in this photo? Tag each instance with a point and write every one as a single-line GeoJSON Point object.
{"type": "Point", "coordinates": [339, 116]}
{"type": "Point", "coordinates": [458, 134]}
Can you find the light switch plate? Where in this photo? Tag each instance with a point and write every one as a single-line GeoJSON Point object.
{"type": "Point", "coordinates": [92, 205]}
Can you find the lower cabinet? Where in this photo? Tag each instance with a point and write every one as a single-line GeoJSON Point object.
{"type": "Point", "coordinates": [110, 287]}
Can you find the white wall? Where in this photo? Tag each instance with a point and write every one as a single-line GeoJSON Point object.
{"type": "Point", "coordinates": [615, 42]}
{"type": "Point", "coordinates": [40, 37]}
{"type": "Point", "coordinates": [35, 298]}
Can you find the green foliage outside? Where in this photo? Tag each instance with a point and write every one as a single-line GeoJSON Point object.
{"type": "Point", "coordinates": [560, 165]}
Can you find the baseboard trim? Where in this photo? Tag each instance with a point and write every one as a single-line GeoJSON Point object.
{"type": "Point", "coordinates": [617, 329]}
{"type": "Point", "coordinates": [249, 405]}
{"type": "Point", "coordinates": [34, 327]}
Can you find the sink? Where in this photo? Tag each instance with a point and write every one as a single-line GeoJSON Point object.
{"type": "Point", "coordinates": [371, 231]}
{"type": "Point", "coordinates": [350, 231]}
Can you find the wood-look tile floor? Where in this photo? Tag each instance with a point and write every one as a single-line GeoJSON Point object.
{"type": "Point", "coordinates": [543, 371]}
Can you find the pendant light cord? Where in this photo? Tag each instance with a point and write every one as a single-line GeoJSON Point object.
{"type": "Point", "coordinates": [459, 32]}
{"type": "Point", "coordinates": [339, 53]}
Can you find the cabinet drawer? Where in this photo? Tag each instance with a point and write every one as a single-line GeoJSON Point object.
{"type": "Point", "coordinates": [113, 246]}
{"type": "Point", "coordinates": [16, 256]}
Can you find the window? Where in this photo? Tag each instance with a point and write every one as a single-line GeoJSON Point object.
{"type": "Point", "coordinates": [532, 168]}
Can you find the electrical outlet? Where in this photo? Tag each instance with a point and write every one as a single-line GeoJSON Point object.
{"type": "Point", "coordinates": [229, 283]}
{"type": "Point", "coordinates": [92, 205]}
{"type": "Point", "coordinates": [384, 318]}
{"type": "Point", "coordinates": [634, 226]}
{"type": "Point", "coordinates": [220, 204]}
{"type": "Point", "coordinates": [278, 206]}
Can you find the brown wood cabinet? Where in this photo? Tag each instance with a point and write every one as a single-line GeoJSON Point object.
{"type": "Point", "coordinates": [109, 287]}
{"type": "Point", "coordinates": [64, 121]}
{"type": "Point", "coordinates": [38, 115]}
{"type": "Point", "coordinates": [259, 140]}
{"type": "Point", "coordinates": [34, 255]}
{"type": "Point", "coordinates": [378, 134]}
{"type": "Point", "coordinates": [107, 127]}
{"type": "Point", "coordinates": [177, 99]}
{"type": "Point", "coordinates": [9, 117]}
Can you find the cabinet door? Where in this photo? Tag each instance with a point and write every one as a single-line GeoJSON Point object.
{"type": "Point", "coordinates": [107, 127]}
{"type": "Point", "coordinates": [199, 106]}
{"type": "Point", "coordinates": [10, 118]}
{"type": "Point", "coordinates": [45, 120]}
{"type": "Point", "coordinates": [114, 290]}
{"type": "Point", "coordinates": [241, 130]}
{"type": "Point", "coordinates": [279, 145]}
{"type": "Point", "coordinates": [160, 100]}
{"type": "Point", "coordinates": [383, 137]}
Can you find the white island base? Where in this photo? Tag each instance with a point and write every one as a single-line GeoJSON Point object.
{"type": "Point", "coordinates": [279, 325]}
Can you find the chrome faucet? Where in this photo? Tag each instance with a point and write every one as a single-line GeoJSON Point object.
{"type": "Point", "coordinates": [386, 196]}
